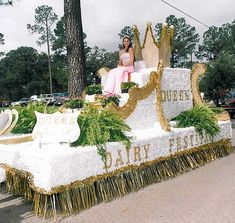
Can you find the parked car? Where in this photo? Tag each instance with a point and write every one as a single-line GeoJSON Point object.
{"type": "Point", "coordinates": [22, 102]}
{"type": "Point", "coordinates": [47, 98]}
{"type": "Point", "coordinates": [62, 98]}
{"type": "Point", "coordinates": [5, 103]}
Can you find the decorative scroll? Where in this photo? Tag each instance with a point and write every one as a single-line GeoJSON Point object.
{"type": "Point", "coordinates": [197, 71]}
{"type": "Point", "coordinates": [163, 121]}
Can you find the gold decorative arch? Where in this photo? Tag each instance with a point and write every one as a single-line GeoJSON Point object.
{"type": "Point", "coordinates": [137, 94]}
{"type": "Point", "coordinates": [199, 70]}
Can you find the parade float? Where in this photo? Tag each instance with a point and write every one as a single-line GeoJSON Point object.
{"type": "Point", "coordinates": [58, 176]}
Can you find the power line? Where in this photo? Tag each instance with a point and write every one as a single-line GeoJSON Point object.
{"type": "Point", "coordinates": [185, 13]}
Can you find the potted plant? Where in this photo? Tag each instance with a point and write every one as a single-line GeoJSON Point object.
{"type": "Point", "coordinates": [110, 99]}
{"type": "Point", "coordinates": [125, 86]}
{"type": "Point", "coordinates": [91, 91]}
{"type": "Point", "coordinates": [76, 103]}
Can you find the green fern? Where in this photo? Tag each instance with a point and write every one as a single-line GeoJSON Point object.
{"type": "Point", "coordinates": [99, 126]}
{"type": "Point", "coordinates": [201, 117]}
{"type": "Point", "coordinates": [27, 117]}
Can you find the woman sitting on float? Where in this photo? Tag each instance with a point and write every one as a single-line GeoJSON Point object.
{"type": "Point", "coordinates": [120, 74]}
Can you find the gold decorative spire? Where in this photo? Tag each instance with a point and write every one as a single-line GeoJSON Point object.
{"type": "Point", "coordinates": [151, 51]}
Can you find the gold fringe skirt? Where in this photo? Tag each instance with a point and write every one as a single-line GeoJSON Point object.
{"type": "Point", "coordinates": [80, 195]}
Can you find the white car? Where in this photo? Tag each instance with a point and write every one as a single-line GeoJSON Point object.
{"type": "Point", "coordinates": [22, 102]}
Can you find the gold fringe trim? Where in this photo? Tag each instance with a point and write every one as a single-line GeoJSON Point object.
{"type": "Point", "coordinates": [80, 195]}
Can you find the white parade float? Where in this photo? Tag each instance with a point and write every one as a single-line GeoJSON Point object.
{"type": "Point", "coordinates": [58, 177]}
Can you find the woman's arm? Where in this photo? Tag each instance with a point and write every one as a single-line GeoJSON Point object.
{"type": "Point", "coordinates": [131, 52]}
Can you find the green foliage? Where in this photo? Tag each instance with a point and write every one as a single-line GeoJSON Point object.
{"type": "Point", "coordinates": [220, 77]}
{"type": "Point", "coordinates": [126, 31]}
{"type": "Point", "coordinates": [44, 19]}
{"type": "Point", "coordinates": [184, 40]}
{"type": "Point", "coordinates": [23, 72]}
{"type": "Point", "coordinates": [113, 98]}
{"type": "Point", "coordinates": [27, 117]}
{"type": "Point", "coordinates": [97, 58]}
{"type": "Point", "coordinates": [125, 86]}
{"type": "Point", "coordinates": [201, 117]}
{"type": "Point", "coordinates": [75, 103]}
{"type": "Point", "coordinates": [1, 39]}
{"type": "Point", "coordinates": [99, 127]}
{"type": "Point", "coordinates": [217, 40]}
{"type": "Point", "coordinates": [217, 110]}
{"type": "Point", "coordinates": [94, 89]}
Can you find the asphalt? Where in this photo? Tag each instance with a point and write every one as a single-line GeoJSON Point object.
{"type": "Point", "coordinates": [205, 195]}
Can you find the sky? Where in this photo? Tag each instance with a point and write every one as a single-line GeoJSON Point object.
{"type": "Point", "coordinates": [104, 19]}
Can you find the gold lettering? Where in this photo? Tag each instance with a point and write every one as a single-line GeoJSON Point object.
{"type": "Point", "coordinates": [186, 95]}
{"type": "Point", "coordinates": [128, 156]}
{"type": "Point", "coordinates": [171, 141]}
{"type": "Point", "coordinates": [146, 150]}
{"type": "Point", "coordinates": [181, 93]}
{"type": "Point", "coordinates": [168, 95]}
{"type": "Point", "coordinates": [163, 96]}
{"type": "Point", "coordinates": [174, 95]}
{"type": "Point", "coordinates": [197, 140]}
{"type": "Point", "coordinates": [119, 160]}
{"type": "Point", "coordinates": [191, 140]}
{"type": "Point", "coordinates": [185, 142]}
{"type": "Point", "coordinates": [137, 153]}
{"type": "Point", "coordinates": [108, 163]}
{"type": "Point", "coordinates": [178, 143]}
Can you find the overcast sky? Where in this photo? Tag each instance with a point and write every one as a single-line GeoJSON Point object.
{"type": "Point", "coordinates": [103, 19]}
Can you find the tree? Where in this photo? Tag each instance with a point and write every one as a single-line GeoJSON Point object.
{"type": "Point", "coordinates": [183, 43]}
{"type": "Point", "coordinates": [217, 40]}
{"type": "Point", "coordinates": [23, 72]}
{"type": "Point", "coordinates": [1, 43]}
{"type": "Point", "coordinates": [1, 39]}
{"type": "Point", "coordinates": [220, 77]}
{"type": "Point", "coordinates": [44, 19]}
{"type": "Point", "coordinates": [59, 43]}
{"type": "Point", "coordinates": [126, 31]}
{"type": "Point", "coordinates": [6, 2]}
{"type": "Point", "coordinates": [75, 47]}
{"type": "Point", "coordinates": [97, 58]}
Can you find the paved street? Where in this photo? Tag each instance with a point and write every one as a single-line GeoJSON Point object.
{"type": "Point", "coordinates": [205, 195]}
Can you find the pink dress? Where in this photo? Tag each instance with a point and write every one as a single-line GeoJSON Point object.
{"type": "Point", "coordinates": [118, 75]}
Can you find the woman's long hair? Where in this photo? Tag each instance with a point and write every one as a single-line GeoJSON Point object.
{"type": "Point", "coordinates": [130, 44]}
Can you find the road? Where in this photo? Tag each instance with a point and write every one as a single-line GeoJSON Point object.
{"type": "Point", "coordinates": [205, 195]}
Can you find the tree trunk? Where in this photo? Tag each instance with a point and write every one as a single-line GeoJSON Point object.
{"type": "Point", "coordinates": [49, 57]}
{"type": "Point", "coordinates": [75, 47]}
